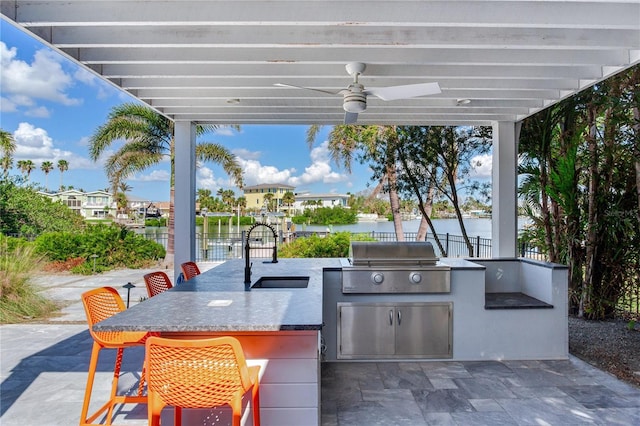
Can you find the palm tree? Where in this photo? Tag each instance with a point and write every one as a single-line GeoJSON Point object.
{"type": "Point", "coordinates": [26, 167]}
{"type": "Point", "coordinates": [121, 197]}
{"type": "Point", "coordinates": [7, 148]}
{"type": "Point", "coordinates": [378, 145]}
{"type": "Point", "coordinates": [149, 137]}
{"type": "Point", "coordinates": [6, 163]}
{"type": "Point", "coordinates": [63, 166]}
{"type": "Point", "coordinates": [46, 167]}
{"type": "Point", "coordinates": [268, 198]}
{"type": "Point", "coordinates": [288, 198]}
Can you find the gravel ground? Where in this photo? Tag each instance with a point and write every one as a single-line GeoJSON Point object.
{"type": "Point", "coordinates": [608, 345]}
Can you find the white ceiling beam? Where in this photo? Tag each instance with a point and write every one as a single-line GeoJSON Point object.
{"type": "Point", "coordinates": [410, 72]}
{"type": "Point", "coordinates": [309, 55]}
{"type": "Point", "coordinates": [250, 36]}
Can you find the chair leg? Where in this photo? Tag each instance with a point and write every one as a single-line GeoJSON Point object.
{"type": "Point", "coordinates": [114, 383]}
{"type": "Point", "coordinates": [255, 404]}
{"type": "Point", "coordinates": [154, 408]}
{"type": "Point", "coordinates": [95, 351]}
{"type": "Point", "coordinates": [177, 416]}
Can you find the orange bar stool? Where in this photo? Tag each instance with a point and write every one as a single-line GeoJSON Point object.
{"type": "Point", "coordinates": [189, 270]}
{"type": "Point", "coordinates": [100, 304]}
{"type": "Point", "coordinates": [201, 373]}
{"type": "Point", "coordinates": [157, 282]}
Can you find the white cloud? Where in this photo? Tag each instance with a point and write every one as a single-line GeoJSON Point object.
{"type": "Point", "coordinates": [84, 76]}
{"type": "Point", "coordinates": [35, 144]}
{"type": "Point", "coordinates": [246, 154]}
{"type": "Point", "coordinates": [225, 131]}
{"type": "Point", "coordinates": [319, 171]}
{"type": "Point", "coordinates": [44, 78]}
{"type": "Point", "coordinates": [255, 173]}
{"type": "Point", "coordinates": [154, 176]}
{"type": "Point", "coordinates": [481, 166]}
{"type": "Point", "coordinates": [39, 112]}
{"type": "Point", "coordinates": [206, 179]}
{"type": "Point", "coordinates": [7, 105]}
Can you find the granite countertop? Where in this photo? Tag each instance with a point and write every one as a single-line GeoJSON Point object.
{"type": "Point", "coordinates": [217, 301]}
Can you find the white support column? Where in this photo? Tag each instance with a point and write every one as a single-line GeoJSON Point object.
{"type": "Point", "coordinates": [185, 194]}
{"type": "Point", "coordinates": [504, 218]}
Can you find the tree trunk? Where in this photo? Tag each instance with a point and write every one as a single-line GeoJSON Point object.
{"type": "Point", "coordinates": [636, 150]}
{"type": "Point", "coordinates": [592, 224]}
{"type": "Point", "coordinates": [394, 200]}
{"type": "Point", "coordinates": [427, 209]}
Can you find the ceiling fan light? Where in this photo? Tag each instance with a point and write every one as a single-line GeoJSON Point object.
{"type": "Point", "coordinates": [354, 105]}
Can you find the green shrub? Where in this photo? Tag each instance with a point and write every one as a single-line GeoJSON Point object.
{"type": "Point", "coordinates": [156, 222]}
{"type": "Point", "coordinates": [332, 245]}
{"type": "Point", "coordinates": [24, 211]}
{"type": "Point", "coordinates": [19, 299]}
{"type": "Point", "coordinates": [103, 247]}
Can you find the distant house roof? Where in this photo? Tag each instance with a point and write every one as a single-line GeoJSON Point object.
{"type": "Point", "coordinates": [269, 185]}
{"type": "Point", "coordinates": [308, 196]}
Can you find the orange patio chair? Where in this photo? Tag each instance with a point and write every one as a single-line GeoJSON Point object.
{"type": "Point", "coordinates": [100, 304]}
{"type": "Point", "coordinates": [189, 270]}
{"type": "Point", "coordinates": [202, 373]}
{"type": "Point", "coordinates": [157, 282]}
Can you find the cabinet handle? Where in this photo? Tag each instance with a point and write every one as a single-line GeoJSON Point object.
{"type": "Point", "coordinates": [399, 317]}
{"type": "Point", "coordinates": [391, 317]}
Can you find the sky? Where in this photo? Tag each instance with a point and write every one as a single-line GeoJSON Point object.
{"type": "Point", "coordinates": [53, 106]}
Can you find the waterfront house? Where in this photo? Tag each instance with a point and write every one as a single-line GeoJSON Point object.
{"type": "Point", "coordinates": [90, 205]}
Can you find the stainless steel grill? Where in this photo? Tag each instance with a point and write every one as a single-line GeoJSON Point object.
{"type": "Point", "coordinates": [394, 267]}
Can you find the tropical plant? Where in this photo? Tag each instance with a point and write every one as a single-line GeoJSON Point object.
{"type": "Point", "coordinates": [26, 167]}
{"type": "Point", "coordinates": [113, 246]}
{"type": "Point", "coordinates": [46, 167]}
{"type": "Point", "coordinates": [19, 299]}
{"type": "Point", "coordinates": [7, 148]}
{"type": "Point", "coordinates": [288, 198]}
{"type": "Point", "coordinates": [580, 177]}
{"type": "Point", "coordinates": [373, 144]}
{"type": "Point", "coordinates": [24, 211]}
{"type": "Point", "coordinates": [268, 200]}
{"type": "Point", "coordinates": [7, 143]}
{"type": "Point", "coordinates": [63, 166]}
{"type": "Point", "coordinates": [6, 163]}
{"type": "Point", "coordinates": [149, 137]}
{"type": "Point", "coordinates": [437, 159]}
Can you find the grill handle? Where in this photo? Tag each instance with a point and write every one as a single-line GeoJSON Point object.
{"type": "Point", "coordinates": [390, 316]}
{"type": "Point", "coordinates": [399, 317]}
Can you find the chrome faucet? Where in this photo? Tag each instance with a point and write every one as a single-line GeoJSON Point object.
{"type": "Point", "coordinates": [247, 248]}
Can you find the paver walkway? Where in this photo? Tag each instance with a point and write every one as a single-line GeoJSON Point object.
{"type": "Point", "coordinates": [43, 371]}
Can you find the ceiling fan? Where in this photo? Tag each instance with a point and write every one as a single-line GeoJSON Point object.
{"type": "Point", "coordinates": [355, 96]}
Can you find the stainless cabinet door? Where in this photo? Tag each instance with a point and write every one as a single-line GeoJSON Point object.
{"type": "Point", "coordinates": [366, 330]}
{"type": "Point", "coordinates": [424, 329]}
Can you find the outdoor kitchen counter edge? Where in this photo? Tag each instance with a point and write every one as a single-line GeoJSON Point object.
{"type": "Point", "coordinates": [216, 301]}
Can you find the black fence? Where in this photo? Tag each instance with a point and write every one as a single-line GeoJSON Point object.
{"type": "Point", "coordinates": [223, 246]}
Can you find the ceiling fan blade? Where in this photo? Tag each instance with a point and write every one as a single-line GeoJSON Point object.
{"type": "Point", "coordinates": [306, 88]}
{"type": "Point", "coordinates": [350, 117]}
{"type": "Point", "coordinates": [392, 93]}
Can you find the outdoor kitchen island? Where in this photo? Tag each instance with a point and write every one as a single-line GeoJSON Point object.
{"type": "Point", "coordinates": [398, 301]}
{"type": "Point", "coordinates": [279, 328]}
{"type": "Point", "coordinates": [290, 331]}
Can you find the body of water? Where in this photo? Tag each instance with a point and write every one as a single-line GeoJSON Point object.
{"type": "Point", "coordinates": [480, 227]}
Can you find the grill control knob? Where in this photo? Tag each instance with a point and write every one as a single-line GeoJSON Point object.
{"type": "Point", "coordinates": [377, 277]}
{"type": "Point", "coordinates": [415, 277]}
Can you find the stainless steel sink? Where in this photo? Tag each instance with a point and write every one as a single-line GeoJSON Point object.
{"type": "Point", "coordinates": [282, 282]}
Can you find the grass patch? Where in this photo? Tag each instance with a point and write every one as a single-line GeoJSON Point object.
{"type": "Point", "coordinates": [19, 299]}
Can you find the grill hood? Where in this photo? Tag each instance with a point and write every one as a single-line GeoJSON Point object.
{"type": "Point", "coordinates": [400, 253]}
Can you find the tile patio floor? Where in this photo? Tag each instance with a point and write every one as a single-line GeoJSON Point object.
{"type": "Point", "coordinates": [43, 369]}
